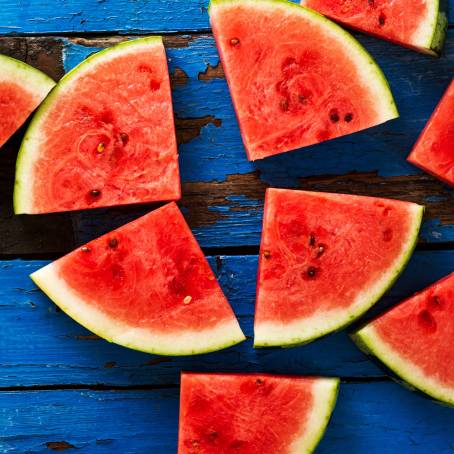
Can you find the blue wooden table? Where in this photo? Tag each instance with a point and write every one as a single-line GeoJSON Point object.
{"type": "Point", "coordinates": [62, 388]}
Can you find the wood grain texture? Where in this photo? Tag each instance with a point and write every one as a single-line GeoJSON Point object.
{"type": "Point", "coordinates": [75, 16]}
{"type": "Point", "coordinates": [377, 418]}
{"type": "Point", "coordinates": [42, 346]}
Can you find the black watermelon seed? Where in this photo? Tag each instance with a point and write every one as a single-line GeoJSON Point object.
{"type": "Point", "coordinates": [113, 243]}
{"type": "Point", "coordinates": [95, 193]}
{"type": "Point", "coordinates": [124, 138]}
{"type": "Point", "coordinates": [311, 271]}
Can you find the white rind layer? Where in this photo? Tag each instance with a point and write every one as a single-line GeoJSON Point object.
{"type": "Point", "coordinates": [304, 330]}
{"type": "Point", "coordinates": [324, 392]}
{"type": "Point", "coordinates": [368, 71]}
{"type": "Point", "coordinates": [31, 79]}
{"type": "Point", "coordinates": [29, 150]}
{"type": "Point", "coordinates": [370, 341]}
{"type": "Point", "coordinates": [187, 342]}
{"type": "Point", "coordinates": [424, 36]}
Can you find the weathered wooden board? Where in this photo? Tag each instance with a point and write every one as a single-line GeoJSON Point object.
{"type": "Point", "coordinates": [42, 346]}
{"type": "Point", "coordinates": [377, 418]}
{"type": "Point", "coordinates": [223, 192]}
{"type": "Point", "coordinates": [40, 16]}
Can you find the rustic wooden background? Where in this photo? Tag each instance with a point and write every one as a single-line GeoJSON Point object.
{"type": "Point", "coordinates": [62, 388]}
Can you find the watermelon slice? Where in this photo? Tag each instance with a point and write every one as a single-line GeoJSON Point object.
{"type": "Point", "coordinates": [105, 136]}
{"type": "Point", "coordinates": [253, 414]}
{"type": "Point", "coordinates": [146, 286]}
{"type": "Point", "coordinates": [296, 78]}
{"type": "Point", "coordinates": [434, 150]}
{"type": "Point", "coordinates": [418, 24]}
{"type": "Point", "coordinates": [22, 89]}
{"type": "Point", "coordinates": [414, 340]}
{"type": "Point", "coordinates": [325, 259]}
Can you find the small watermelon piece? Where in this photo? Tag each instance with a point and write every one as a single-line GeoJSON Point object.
{"type": "Point", "coordinates": [22, 89]}
{"type": "Point", "coordinates": [325, 259]}
{"type": "Point", "coordinates": [296, 78]}
{"type": "Point", "coordinates": [146, 286]}
{"type": "Point", "coordinates": [418, 24]}
{"type": "Point", "coordinates": [105, 136]}
{"type": "Point", "coordinates": [253, 413]}
{"type": "Point", "coordinates": [434, 150]}
{"type": "Point", "coordinates": [414, 340]}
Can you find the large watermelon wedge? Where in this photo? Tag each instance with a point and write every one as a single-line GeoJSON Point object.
{"type": "Point", "coordinates": [325, 259]}
{"type": "Point", "coordinates": [105, 136]}
{"type": "Point", "coordinates": [418, 24]}
{"type": "Point", "coordinates": [22, 89]}
{"type": "Point", "coordinates": [146, 286]}
{"type": "Point", "coordinates": [296, 78]}
{"type": "Point", "coordinates": [434, 150]}
{"type": "Point", "coordinates": [253, 414]}
{"type": "Point", "coordinates": [415, 340]}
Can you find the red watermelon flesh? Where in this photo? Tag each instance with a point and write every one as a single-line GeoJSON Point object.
{"type": "Point", "coordinates": [418, 24]}
{"type": "Point", "coordinates": [434, 150]}
{"type": "Point", "coordinates": [104, 137]}
{"type": "Point", "coordinates": [253, 413]}
{"type": "Point", "coordinates": [415, 340]}
{"type": "Point", "coordinates": [22, 89]}
{"type": "Point", "coordinates": [146, 285]}
{"type": "Point", "coordinates": [325, 259]}
{"type": "Point", "coordinates": [296, 78]}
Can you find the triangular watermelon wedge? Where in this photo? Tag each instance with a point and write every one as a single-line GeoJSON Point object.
{"type": "Point", "coordinates": [434, 150]}
{"type": "Point", "coordinates": [22, 89]}
{"type": "Point", "coordinates": [104, 137]}
{"type": "Point", "coordinates": [295, 77]}
{"type": "Point", "coordinates": [420, 25]}
{"type": "Point", "coordinates": [253, 413]}
{"type": "Point", "coordinates": [325, 259]}
{"type": "Point", "coordinates": [146, 286]}
{"type": "Point", "coordinates": [415, 340]}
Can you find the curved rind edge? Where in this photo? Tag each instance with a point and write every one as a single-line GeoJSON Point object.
{"type": "Point", "coordinates": [370, 344]}
{"type": "Point", "coordinates": [41, 79]}
{"type": "Point", "coordinates": [48, 281]}
{"type": "Point", "coordinates": [392, 111]}
{"type": "Point", "coordinates": [296, 342]}
{"type": "Point", "coordinates": [330, 403]}
{"type": "Point", "coordinates": [22, 191]}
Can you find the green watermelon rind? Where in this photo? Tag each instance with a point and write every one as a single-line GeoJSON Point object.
{"type": "Point", "coordinates": [328, 401]}
{"type": "Point", "coordinates": [369, 342]}
{"type": "Point", "coordinates": [22, 199]}
{"type": "Point", "coordinates": [214, 339]}
{"type": "Point", "coordinates": [437, 36]}
{"type": "Point", "coordinates": [389, 109]}
{"type": "Point", "coordinates": [297, 340]}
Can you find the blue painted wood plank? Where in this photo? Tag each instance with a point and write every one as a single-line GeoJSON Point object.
{"type": "Point", "coordinates": [40, 346]}
{"type": "Point", "coordinates": [234, 196]}
{"type": "Point", "coordinates": [374, 418]}
{"type": "Point", "coordinates": [123, 16]}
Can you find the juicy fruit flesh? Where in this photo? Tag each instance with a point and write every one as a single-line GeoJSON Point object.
{"type": "Point", "coordinates": [150, 273]}
{"type": "Point", "coordinates": [394, 20]}
{"type": "Point", "coordinates": [289, 91]}
{"type": "Point", "coordinates": [434, 151]}
{"type": "Point", "coordinates": [109, 139]}
{"type": "Point", "coordinates": [421, 330]}
{"type": "Point", "coordinates": [244, 414]}
{"type": "Point", "coordinates": [319, 254]}
{"type": "Point", "coordinates": [16, 104]}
